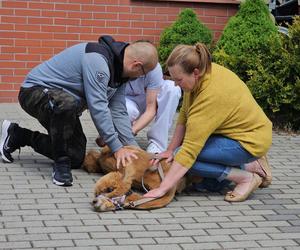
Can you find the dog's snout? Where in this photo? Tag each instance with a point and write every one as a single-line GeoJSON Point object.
{"type": "Point", "coordinates": [94, 201]}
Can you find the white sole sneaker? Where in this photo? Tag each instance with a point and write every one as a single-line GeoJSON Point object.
{"type": "Point", "coordinates": [4, 134]}
{"type": "Point", "coordinates": [58, 183]}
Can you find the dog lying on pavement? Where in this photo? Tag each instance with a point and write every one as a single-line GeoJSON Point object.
{"type": "Point", "coordinates": [113, 190]}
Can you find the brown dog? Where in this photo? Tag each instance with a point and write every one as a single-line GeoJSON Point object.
{"type": "Point", "coordinates": [113, 190]}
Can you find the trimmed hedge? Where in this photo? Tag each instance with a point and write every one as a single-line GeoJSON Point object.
{"type": "Point", "coordinates": [187, 29]}
{"type": "Point", "coordinates": [276, 85]}
{"type": "Point", "coordinates": [246, 37]}
{"type": "Point", "coordinates": [267, 61]}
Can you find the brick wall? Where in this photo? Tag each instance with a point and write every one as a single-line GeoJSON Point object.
{"type": "Point", "coordinates": [33, 31]}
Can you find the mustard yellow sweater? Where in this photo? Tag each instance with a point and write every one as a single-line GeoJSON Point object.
{"type": "Point", "coordinates": [221, 103]}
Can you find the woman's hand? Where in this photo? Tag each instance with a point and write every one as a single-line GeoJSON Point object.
{"type": "Point", "coordinates": [168, 155]}
{"type": "Point", "coordinates": [124, 155]}
{"type": "Point", "coordinates": [175, 173]}
{"type": "Point", "coordinates": [155, 193]}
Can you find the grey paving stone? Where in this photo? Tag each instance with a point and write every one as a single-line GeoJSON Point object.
{"type": "Point", "coordinates": [249, 237]}
{"type": "Point", "coordinates": [181, 220]}
{"type": "Point", "coordinates": [100, 222]}
{"type": "Point", "coordinates": [75, 236]}
{"type": "Point", "coordinates": [281, 236]}
{"type": "Point", "coordinates": [233, 245]}
{"type": "Point", "coordinates": [23, 224]}
{"type": "Point", "coordinates": [213, 238]}
{"type": "Point", "coordinates": [94, 242]}
{"type": "Point", "coordinates": [27, 237]}
{"type": "Point", "coordinates": [271, 223]}
{"type": "Point", "coordinates": [200, 225]}
{"type": "Point", "coordinates": [36, 230]}
{"type": "Point", "coordinates": [126, 228]}
{"type": "Point", "coordinates": [289, 229]}
{"type": "Point", "coordinates": [226, 231]}
{"type": "Point", "coordinates": [14, 245]}
{"type": "Point", "coordinates": [131, 247]}
{"type": "Point", "coordinates": [268, 248]}
{"type": "Point", "coordinates": [111, 235]}
{"type": "Point", "coordinates": [295, 222]}
{"type": "Point", "coordinates": [163, 227]}
{"type": "Point", "coordinates": [190, 232]}
{"type": "Point", "coordinates": [77, 248]}
{"type": "Point", "coordinates": [161, 247]}
{"type": "Point", "coordinates": [35, 214]}
{"type": "Point", "coordinates": [198, 246]}
{"type": "Point", "coordinates": [135, 241]}
{"type": "Point", "coordinates": [276, 243]}
{"type": "Point", "coordinates": [257, 230]}
{"type": "Point", "coordinates": [52, 243]}
{"type": "Point", "coordinates": [150, 234]}
{"type": "Point", "coordinates": [178, 240]}
{"type": "Point", "coordinates": [9, 231]}
{"type": "Point", "coordinates": [86, 229]}
{"type": "Point", "coordinates": [140, 221]}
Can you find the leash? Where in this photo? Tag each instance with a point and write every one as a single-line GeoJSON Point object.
{"type": "Point", "coordinates": [158, 167]}
{"type": "Point", "coordinates": [119, 201]}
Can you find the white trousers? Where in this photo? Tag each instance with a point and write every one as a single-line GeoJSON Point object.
{"type": "Point", "coordinates": [167, 102]}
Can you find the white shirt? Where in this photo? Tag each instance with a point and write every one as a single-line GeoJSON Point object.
{"type": "Point", "coordinates": [136, 89]}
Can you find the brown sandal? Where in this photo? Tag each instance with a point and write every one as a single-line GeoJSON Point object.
{"type": "Point", "coordinates": [265, 166]}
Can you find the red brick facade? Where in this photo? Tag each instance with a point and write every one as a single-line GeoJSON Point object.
{"type": "Point", "coordinates": [33, 31]}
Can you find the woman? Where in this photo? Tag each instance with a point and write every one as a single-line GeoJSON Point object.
{"type": "Point", "coordinates": [222, 131]}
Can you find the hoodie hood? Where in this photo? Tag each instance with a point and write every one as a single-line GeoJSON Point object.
{"type": "Point", "coordinates": [113, 51]}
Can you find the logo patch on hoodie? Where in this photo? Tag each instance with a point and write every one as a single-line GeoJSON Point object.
{"type": "Point", "coordinates": [100, 76]}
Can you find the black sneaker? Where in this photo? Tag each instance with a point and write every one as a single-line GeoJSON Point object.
{"type": "Point", "coordinates": [8, 143]}
{"type": "Point", "coordinates": [61, 174]}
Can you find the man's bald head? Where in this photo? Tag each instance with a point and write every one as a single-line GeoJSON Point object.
{"type": "Point", "coordinates": [144, 52]}
{"type": "Point", "coordinates": [139, 56]}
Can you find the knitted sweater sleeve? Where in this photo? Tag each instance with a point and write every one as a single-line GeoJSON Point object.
{"type": "Point", "coordinates": [206, 112]}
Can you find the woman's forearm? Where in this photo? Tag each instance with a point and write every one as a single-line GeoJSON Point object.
{"type": "Point", "coordinates": [176, 172]}
{"type": "Point", "coordinates": [177, 137]}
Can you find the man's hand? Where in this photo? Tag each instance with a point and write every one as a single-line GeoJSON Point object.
{"type": "Point", "coordinates": [164, 155]}
{"type": "Point", "coordinates": [123, 155]}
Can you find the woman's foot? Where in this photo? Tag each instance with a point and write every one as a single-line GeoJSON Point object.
{"type": "Point", "coordinates": [244, 188]}
{"type": "Point", "coordinates": [262, 168]}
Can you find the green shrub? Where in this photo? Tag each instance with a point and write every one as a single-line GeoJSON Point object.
{"type": "Point", "coordinates": [247, 38]}
{"type": "Point", "coordinates": [187, 29]}
{"type": "Point", "coordinates": [276, 85]}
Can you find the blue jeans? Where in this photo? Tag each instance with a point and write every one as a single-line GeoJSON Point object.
{"type": "Point", "coordinates": [218, 156]}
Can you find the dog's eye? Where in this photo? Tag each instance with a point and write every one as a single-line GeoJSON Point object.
{"type": "Point", "coordinates": [109, 190]}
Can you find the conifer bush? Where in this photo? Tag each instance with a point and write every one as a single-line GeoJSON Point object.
{"type": "Point", "coordinates": [247, 38]}
{"type": "Point", "coordinates": [276, 85]}
{"type": "Point", "coordinates": [187, 29]}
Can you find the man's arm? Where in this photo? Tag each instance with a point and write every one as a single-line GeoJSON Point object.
{"type": "Point", "coordinates": [150, 112]}
{"type": "Point", "coordinates": [117, 106]}
{"type": "Point", "coordinates": [95, 80]}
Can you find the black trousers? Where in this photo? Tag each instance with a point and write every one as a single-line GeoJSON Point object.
{"type": "Point", "coordinates": [57, 112]}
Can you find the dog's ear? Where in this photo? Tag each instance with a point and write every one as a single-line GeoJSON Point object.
{"type": "Point", "coordinates": [90, 162]}
{"type": "Point", "coordinates": [106, 150]}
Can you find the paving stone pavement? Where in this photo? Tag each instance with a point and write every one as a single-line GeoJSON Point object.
{"type": "Point", "coordinates": [35, 214]}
